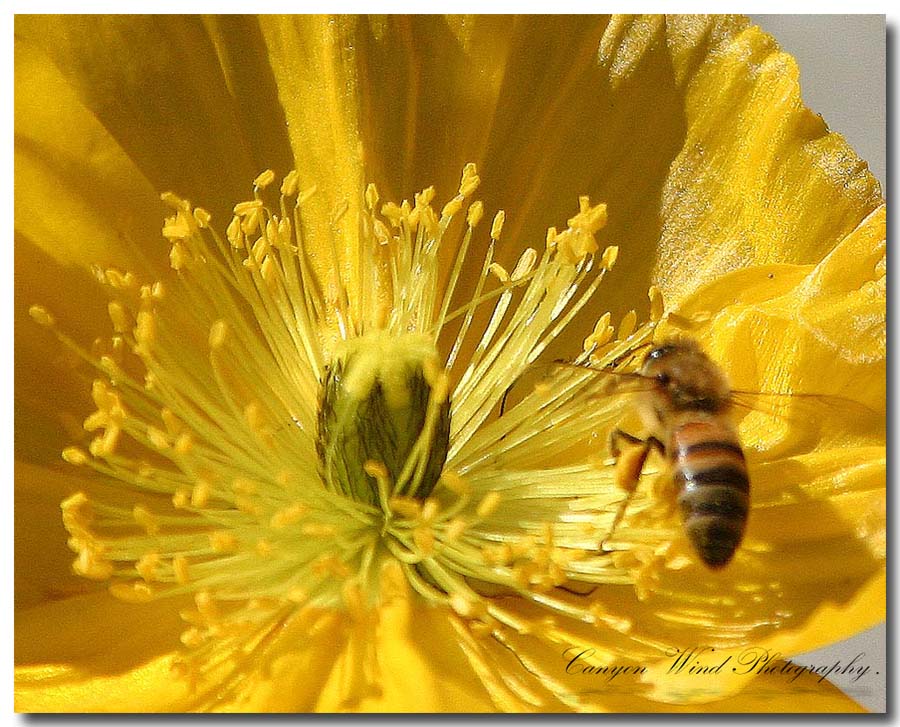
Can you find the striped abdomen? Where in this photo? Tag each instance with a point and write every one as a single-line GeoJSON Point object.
{"type": "Point", "coordinates": [713, 487]}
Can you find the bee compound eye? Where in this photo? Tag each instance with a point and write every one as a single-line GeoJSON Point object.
{"type": "Point", "coordinates": [660, 352]}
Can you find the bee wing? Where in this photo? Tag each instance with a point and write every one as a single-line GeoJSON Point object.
{"type": "Point", "coordinates": [558, 378]}
{"type": "Point", "coordinates": [808, 413]}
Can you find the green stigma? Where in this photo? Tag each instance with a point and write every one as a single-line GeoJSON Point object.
{"type": "Point", "coordinates": [384, 404]}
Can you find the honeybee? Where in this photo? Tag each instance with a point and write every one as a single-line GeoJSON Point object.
{"type": "Point", "coordinates": [686, 406]}
{"type": "Point", "coordinates": [686, 409]}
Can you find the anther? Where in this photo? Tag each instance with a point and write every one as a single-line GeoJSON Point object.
{"type": "Point", "coordinates": [223, 541]}
{"type": "Point", "coordinates": [145, 328]}
{"type": "Point", "coordinates": [455, 528]}
{"type": "Point", "coordinates": [407, 507]}
{"type": "Point", "coordinates": [423, 537]}
{"type": "Point", "coordinates": [452, 207]}
{"type": "Point", "coordinates": [147, 566]}
{"type": "Point", "coordinates": [601, 334]}
{"type": "Point", "coordinates": [264, 179]}
{"type": "Point", "coordinates": [180, 569]}
{"type": "Point", "coordinates": [244, 209]}
{"type": "Point", "coordinates": [173, 424]}
{"type": "Point", "coordinates": [609, 257]}
{"type": "Point", "coordinates": [158, 438]}
{"type": "Point", "coordinates": [305, 195]}
{"type": "Point", "coordinates": [497, 225]}
{"type": "Point", "coordinates": [475, 213]}
{"type": "Point", "coordinates": [202, 217]}
{"type": "Point", "coordinates": [318, 530]}
{"type": "Point", "coordinates": [470, 180]}
{"type": "Point", "coordinates": [75, 455]}
{"type": "Point", "coordinates": [289, 184]}
{"type": "Point", "coordinates": [184, 443]}
{"type": "Point", "coordinates": [425, 197]}
{"type": "Point", "coordinates": [137, 592]}
{"type": "Point", "coordinates": [191, 638]}
{"type": "Point", "coordinates": [525, 264]}
{"type": "Point", "coordinates": [657, 305]}
{"type": "Point", "coordinates": [371, 197]}
{"type": "Point", "coordinates": [552, 234]}
{"type": "Point", "coordinates": [234, 234]}
{"type": "Point", "coordinates": [288, 516]}
{"type": "Point", "coordinates": [498, 270]}
{"type": "Point", "coordinates": [147, 520]}
{"type": "Point", "coordinates": [90, 565]}
{"type": "Point", "coordinates": [41, 316]}
{"type": "Point", "coordinates": [120, 280]}
{"type": "Point", "coordinates": [488, 504]}
{"type": "Point", "coordinates": [218, 333]}
{"type": "Point", "coordinates": [430, 510]}
{"type": "Point", "coordinates": [455, 483]}
{"type": "Point", "coordinates": [177, 256]}
{"type": "Point", "coordinates": [626, 327]}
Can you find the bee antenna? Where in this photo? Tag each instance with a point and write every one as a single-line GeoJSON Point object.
{"type": "Point", "coordinates": [542, 364]}
{"type": "Point", "coordinates": [630, 353]}
{"type": "Point", "coordinates": [505, 396]}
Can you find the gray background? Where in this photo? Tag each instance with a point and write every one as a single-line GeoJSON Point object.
{"type": "Point", "coordinates": [842, 77]}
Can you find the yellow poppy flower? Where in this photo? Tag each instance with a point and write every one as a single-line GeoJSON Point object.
{"type": "Point", "coordinates": [287, 484]}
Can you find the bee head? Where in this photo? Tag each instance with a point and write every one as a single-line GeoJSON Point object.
{"type": "Point", "coordinates": [685, 378]}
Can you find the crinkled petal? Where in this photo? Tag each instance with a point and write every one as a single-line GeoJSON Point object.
{"type": "Point", "coordinates": [740, 679]}
{"type": "Point", "coordinates": [758, 178]}
{"type": "Point", "coordinates": [780, 328]}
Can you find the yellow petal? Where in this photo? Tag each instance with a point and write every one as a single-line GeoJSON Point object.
{"type": "Point", "coordinates": [780, 328]}
{"type": "Point", "coordinates": [244, 61]}
{"type": "Point", "coordinates": [148, 688]}
{"type": "Point", "coordinates": [742, 666]}
{"type": "Point", "coordinates": [43, 562]}
{"type": "Point", "coordinates": [774, 191]}
{"type": "Point", "coordinates": [315, 66]}
{"type": "Point", "coordinates": [575, 672]}
{"type": "Point", "coordinates": [768, 693]}
{"type": "Point", "coordinates": [95, 633]}
{"type": "Point", "coordinates": [48, 418]}
{"type": "Point", "coordinates": [772, 183]}
{"type": "Point", "coordinates": [78, 195]}
{"type": "Point", "coordinates": [306, 670]}
{"type": "Point", "coordinates": [156, 84]}
{"type": "Point", "coordinates": [92, 653]}
{"type": "Point", "coordinates": [414, 674]}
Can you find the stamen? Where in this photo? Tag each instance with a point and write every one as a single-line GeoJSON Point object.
{"type": "Point", "coordinates": [324, 433]}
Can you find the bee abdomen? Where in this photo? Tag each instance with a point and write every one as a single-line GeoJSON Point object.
{"type": "Point", "coordinates": [714, 497]}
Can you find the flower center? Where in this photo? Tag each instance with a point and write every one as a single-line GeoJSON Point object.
{"type": "Point", "coordinates": [273, 526]}
{"type": "Point", "coordinates": [384, 404]}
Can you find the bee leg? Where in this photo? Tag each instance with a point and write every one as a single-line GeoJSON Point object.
{"type": "Point", "coordinates": [629, 465]}
{"type": "Point", "coordinates": [666, 492]}
{"type": "Point", "coordinates": [615, 439]}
